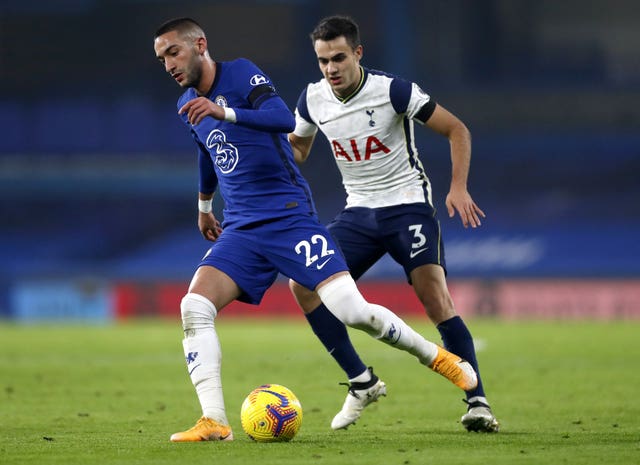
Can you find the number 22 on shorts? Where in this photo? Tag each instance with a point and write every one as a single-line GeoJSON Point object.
{"type": "Point", "coordinates": [306, 247]}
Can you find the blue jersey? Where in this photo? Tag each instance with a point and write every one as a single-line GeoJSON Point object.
{"type": "Point", "coordinates": [254, 168]}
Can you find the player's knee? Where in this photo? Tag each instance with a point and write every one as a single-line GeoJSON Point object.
{"type": "Point", "coordinates": [295, 288]}
{"type": "Point", "coordinates": [307, 299]}
{"type": "Point", "coordinates": [344, 300]}
{"type": "Point", "coordinates": [197, 312]}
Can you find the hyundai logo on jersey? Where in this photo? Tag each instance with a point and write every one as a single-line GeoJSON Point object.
{"type": "Point", "coordinates": [258, 79]}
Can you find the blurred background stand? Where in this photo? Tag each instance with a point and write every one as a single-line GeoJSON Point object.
{"type": "Point", "coordinates": [98, 176]}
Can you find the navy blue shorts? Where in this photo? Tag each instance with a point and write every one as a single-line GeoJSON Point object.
{"type": "Point", "coordinates": [409, 233]}
{"type": "Point", "coordinates": [299, 247]}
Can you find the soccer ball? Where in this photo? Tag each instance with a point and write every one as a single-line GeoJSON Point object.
{"type": "Point", "coordinates": [271, 413]}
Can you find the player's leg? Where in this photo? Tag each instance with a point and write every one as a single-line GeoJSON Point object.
{"type": "Point", "coordinates": [210, 291]}
{"type": "Point", "coordinates": [413, 239]}
{"type": "Point", "coordinates": [430, 286]}
{"type": "Point", "coordinates": [354, 230]}
{"type": "Point", "coordinates": [364, 386]}
{"type": "Point", "coordinates": [305, 251]}
{"type": "Point", "coordinates": [330, 331]}
{"type": "Point", "coordinates": [233, 269]}
{"type": "Point", "coordinates": [341, 296]}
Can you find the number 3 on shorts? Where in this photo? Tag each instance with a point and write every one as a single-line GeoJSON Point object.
{"type": "Point", "coordinates": [420, 238]}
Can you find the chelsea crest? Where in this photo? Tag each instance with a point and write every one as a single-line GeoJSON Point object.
{"type": "Point", "coordinates": [220, 100]}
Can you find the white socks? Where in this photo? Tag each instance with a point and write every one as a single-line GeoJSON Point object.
{"type": "Point", "coordinates": [363, 377]}
{"type": "Point", "coordinates": [342, 297]}
{"type": "Point", "coordinates": [203, 354]}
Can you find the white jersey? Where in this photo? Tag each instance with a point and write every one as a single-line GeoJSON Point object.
{"type": "Point", "coordinates": [371, 137]}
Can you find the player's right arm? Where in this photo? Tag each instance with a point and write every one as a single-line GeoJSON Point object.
{"type": "Point", "coordinates": [302, 137]}
{"type": "Point", "coordinates": [301, 146]}
{"type": "Point", "coordinates": [208, 225]}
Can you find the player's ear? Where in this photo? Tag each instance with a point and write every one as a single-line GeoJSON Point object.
{"type": "Point", "coordinates": [359, 51]}
{"type": "Point", "coordinates": [201, 45]}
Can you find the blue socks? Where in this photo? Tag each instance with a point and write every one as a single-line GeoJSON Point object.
{"type": "Point", "coordinates": [333, 335]}
{"type": "Point", "coordinates": [457, 339]}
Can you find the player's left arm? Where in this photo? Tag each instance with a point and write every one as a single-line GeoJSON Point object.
{"type": "Point", "coordinates": [270, 115]}
{"type": "Point", "coordinates": [458, 199]}
{"type": "Point", "coordinates": [199, 108]}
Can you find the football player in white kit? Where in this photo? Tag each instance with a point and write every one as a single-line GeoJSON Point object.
{"type": "Point", "coordinates": [368, 118]}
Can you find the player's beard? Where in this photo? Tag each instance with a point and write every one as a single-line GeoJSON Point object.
{"type": "Point", "coordinates": [194, 78]}
{"type": "Point", "coordinates": [193, 73]}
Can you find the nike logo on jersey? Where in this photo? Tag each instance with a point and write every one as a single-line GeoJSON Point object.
{"type": "Point", "coordinates": [414, 253]}
{"type": "Point", "coordinates": [321, 265]}
{"type": "Point", "coordinates": [323, 122]}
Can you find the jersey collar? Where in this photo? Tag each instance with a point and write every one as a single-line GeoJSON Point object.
{"type": "Point", "coordinates": [216, 79]}
{"type": "Point", "coordinates": [363, 79]}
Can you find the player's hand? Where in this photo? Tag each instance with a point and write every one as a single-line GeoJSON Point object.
{"type": "Point", "coordinates": [460, 200]}
{"type": "Point", "coordinates": [209, 226]}
{"type": "Point", "coordinates": [199, 108]}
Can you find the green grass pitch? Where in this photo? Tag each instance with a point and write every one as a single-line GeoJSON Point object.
{"type": "Point", "coordinates": [565, 392]}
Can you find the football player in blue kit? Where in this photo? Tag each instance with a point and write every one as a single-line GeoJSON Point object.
{"type": "Point", "coordinates": [239, 125]}
{"type": "Point", "coordinates": [368, 117]}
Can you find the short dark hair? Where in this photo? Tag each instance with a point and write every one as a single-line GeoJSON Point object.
{"type": "Point", "coordinates": [184, 26]}
{"type": "Point", "coordinates": [332, 27]}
